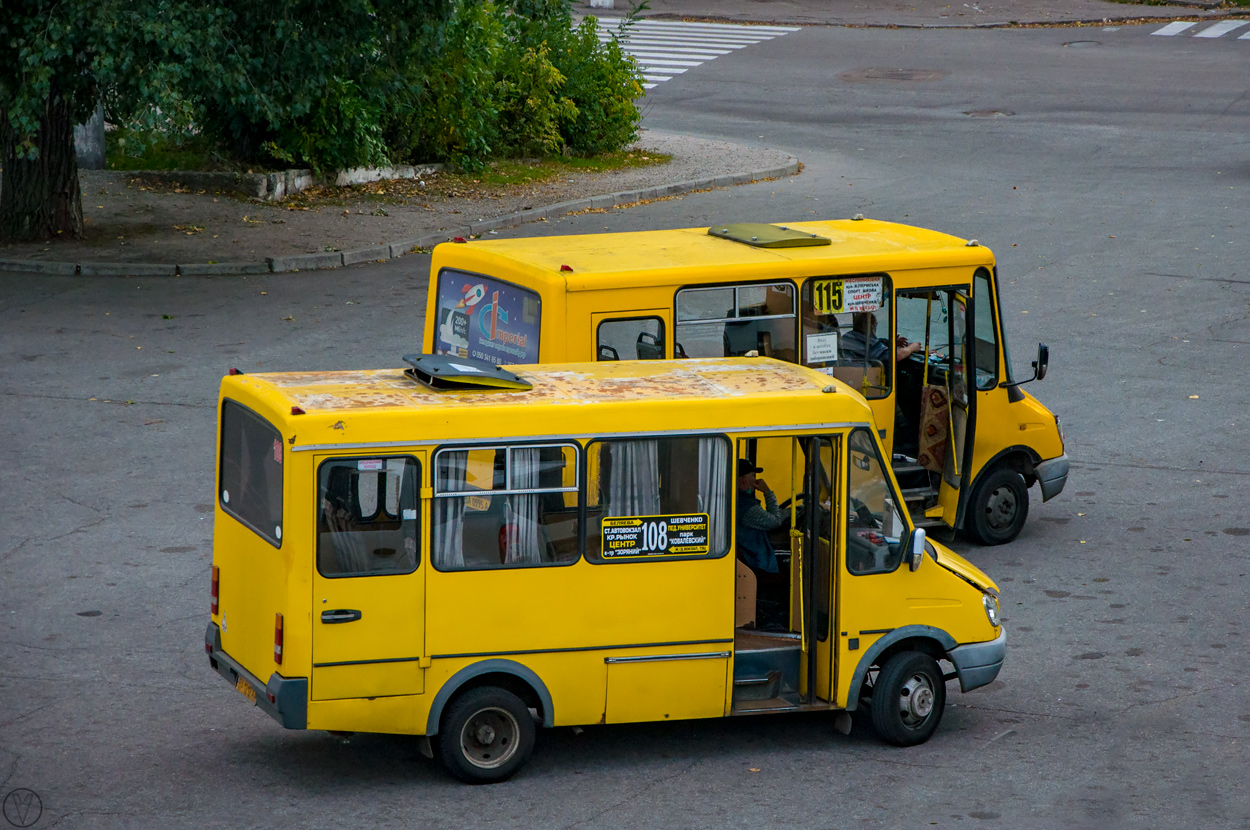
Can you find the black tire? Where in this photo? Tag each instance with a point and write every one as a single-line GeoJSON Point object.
{"type": "Point", "coordinates": [998, 507]}
{"type": "Point", "coordinates": [487, 734]}
{"type": "Point", "coordinates": [908, 699]}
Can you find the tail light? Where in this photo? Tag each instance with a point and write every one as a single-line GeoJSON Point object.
{"type": "Point", "coordinates": [277, 639]}
{"type": "Point", "coordinates": [215, 588]}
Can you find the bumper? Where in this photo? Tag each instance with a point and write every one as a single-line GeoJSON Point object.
{"type": "Point", "coordinates": [977, 664]}
{"type": "Point", "coordinates": [1052, 475]}
{"type": "Point", "coordinates": [284, 698]}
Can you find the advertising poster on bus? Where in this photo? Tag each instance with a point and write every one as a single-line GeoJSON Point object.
{"type": "Point", "coordinates": [486, 319]}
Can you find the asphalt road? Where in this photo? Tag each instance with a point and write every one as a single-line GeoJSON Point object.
{"type": "Point", "coordinates": [1109, 172]}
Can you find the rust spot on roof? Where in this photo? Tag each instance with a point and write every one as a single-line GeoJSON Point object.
{"type": "Point", "coordinates": [569, 384]}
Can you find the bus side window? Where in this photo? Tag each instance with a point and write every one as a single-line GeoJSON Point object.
{"type": "Point", "coordinates": [630, 338]}
{"type": "Point", "coordinates": [874, 529]}
{"type": "Point", "coordinates": [985, 339]}
{"type": "Point", "coordinates": [367, 520]}
{"type": "Point", "coordinates": [505, 506]}
{"type": "Point", "coordinates": [657, 497]}
{"type": "Point", "coordinates": [850, 340]}
{"type": "Point", "coordinates": [251, 471]}
{"type": "Point", "coordinates": [729, 321]}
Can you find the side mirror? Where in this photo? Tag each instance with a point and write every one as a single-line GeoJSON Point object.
{"type": "Point", "coordinates": [1039, 368]}
{"type": "Point", "coordinates": [917, 549]}
{"type": "Point", "coordinates": [1043, 358]}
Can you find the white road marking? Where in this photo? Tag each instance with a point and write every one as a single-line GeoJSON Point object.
{"type": "Point", "coordinates": [1221, 29]}
{"type": "Point", "coordinates": [1174, 28]}
{"type": "Point", "coordinates": [666, 48]}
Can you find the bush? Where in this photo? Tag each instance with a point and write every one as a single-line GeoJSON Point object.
{"type": "Point", "coordinates": [342, 129]}
{"type": "Point", "coordinates": [533, 112]}
{"type": "Point", "coordinates": [603, 82]}
{"type": "Point", "coordinates": [516, 80]}
{"type": "Point", "coordinates": [449, 108]}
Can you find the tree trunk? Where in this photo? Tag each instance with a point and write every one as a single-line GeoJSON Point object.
{"type": "Point", "coordinates": [40, 198]}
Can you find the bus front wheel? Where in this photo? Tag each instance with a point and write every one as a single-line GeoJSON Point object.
{"type": "Point", "coordinates": [908, 698]}
{"type": "Point", "coordinates": [487, 734]}
{"type": "Point", "coordinates": [998, 507]}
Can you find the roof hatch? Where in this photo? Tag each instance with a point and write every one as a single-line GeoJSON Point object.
{"type": "Point", "coordinates": [439, 371]}
{"type": "Point", "coordinates": [760, 235]}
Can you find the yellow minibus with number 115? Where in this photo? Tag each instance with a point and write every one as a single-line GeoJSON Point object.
{"type": "Point", "coordinates": [909, 317]}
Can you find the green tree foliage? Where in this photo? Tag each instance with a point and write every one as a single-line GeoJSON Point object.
{"type": "Point", "coordinates": [58, 58]}
{"type": "Point", "coordinates": [448, 108]}
{"type": "Point", "coordinates": [325, 84]}
{"type": "Point", "coordinates": [519, 79]}
{"type": "Point", "coordinates": [311, 82]}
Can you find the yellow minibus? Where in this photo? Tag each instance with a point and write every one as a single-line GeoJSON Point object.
{"type": "Point", "coordinates": [462, 552]}
{"type": "Point", "coordinates": [909, 317]}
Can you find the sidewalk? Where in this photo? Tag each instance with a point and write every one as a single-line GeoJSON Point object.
{"type": "Point", "coordinates": [140, 229]}
{"type": "Point", "coordinates": [137, 228]}
{"type": "Point", "coordinates": [921, 13]}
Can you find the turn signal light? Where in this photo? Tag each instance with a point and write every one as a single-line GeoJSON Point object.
{"type": "Point", "coordinates": [277, 639]}
{"type": "Point", "coordinates": [215, 588]}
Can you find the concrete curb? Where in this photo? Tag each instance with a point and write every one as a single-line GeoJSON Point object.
{"type": "Point", "coordinates": [1207, 9]}
{"type": "Point", "coordinates": [271, 187]}
{"type": "Point", "coordinates": [393, 250]}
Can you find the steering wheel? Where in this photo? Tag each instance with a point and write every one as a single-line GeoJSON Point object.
{"type": "Point", "coordinates": [786, 503]}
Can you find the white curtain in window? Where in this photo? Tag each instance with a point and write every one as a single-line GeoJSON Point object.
{"type": "Point", "coordinates": [524, 542]}
{"type": "Point", "coordinates": [714, 490]}
{"type": "Point", "coordinates": [449, 512]}
{"type": "Point", "coordinates": [634, 480]}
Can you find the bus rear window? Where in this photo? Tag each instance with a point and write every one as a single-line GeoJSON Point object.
{"type": "Point", "coordinates": [487, 319]}
{"type": "Point", "coordinates": [251, 471]}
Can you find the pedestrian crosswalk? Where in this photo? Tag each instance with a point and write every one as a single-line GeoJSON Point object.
{"type": "Point", "coordinates": [1189, 29]}
{"type": "Point", "coordinates": [665, 48]}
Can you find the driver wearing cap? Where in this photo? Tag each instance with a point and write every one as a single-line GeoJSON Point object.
{"type": "Point", "coordinates": [754, 520]}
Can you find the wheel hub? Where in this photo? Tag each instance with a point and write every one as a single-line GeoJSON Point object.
{"type": "Point", "coordinates": [1000, 508]}
{"type": "Point", "coordinates": [916, 700]}
{"type": "Point", "coordinates": [489, 738]}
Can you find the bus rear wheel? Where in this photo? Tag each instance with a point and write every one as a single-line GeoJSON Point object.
{"type": "Point", "coordinates": [998, 507]}
{"type": "Point", "coordinates": [908, 699]}
{"type": "Point", "coordinates": [487, 735]}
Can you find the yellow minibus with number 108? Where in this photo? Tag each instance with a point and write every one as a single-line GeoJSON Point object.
{"type": "Point", "coordinates": [464, 553]}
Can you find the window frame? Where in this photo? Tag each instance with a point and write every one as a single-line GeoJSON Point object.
{"type": "Point", "coordinates": [807, 296]}
{"type": "Point", "coordinates": [904, 517]}
{"type": "Point", "coordinates": [794, 308]}
{"type": "Point", "coordinates": [420, 474]}
{"type": "Point", "coordinates": [656, 317]}
{"type": "Point", "coordinates": [273, 539]}
{"type": "Point", "coordinates": [995, 318]}
{"type": "Point", "coordinates": [579, 473]}
{"type": "Point", "coordinates": [599, 559]}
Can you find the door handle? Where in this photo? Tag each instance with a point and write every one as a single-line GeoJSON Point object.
{"type": "Point", "coordinates": [340, 615]}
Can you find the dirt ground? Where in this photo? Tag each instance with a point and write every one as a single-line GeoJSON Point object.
{"type": "Point", "coordinates": [129, 219]}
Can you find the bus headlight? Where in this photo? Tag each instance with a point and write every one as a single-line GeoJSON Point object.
{"type": "Point", "coordinates": [991, 608]}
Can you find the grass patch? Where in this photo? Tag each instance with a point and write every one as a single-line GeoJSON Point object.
{"type": "Point", "coordinates": [536, 171]}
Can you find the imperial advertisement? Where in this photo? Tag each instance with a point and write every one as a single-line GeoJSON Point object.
{"type": "Point", "coordinates": [486, 319]}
